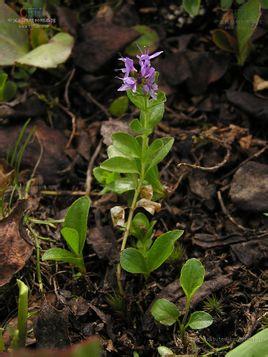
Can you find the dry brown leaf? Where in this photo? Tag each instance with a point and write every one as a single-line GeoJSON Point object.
{"type": "Point", "coordinates": [15, 247]}
{"type": "Point", "coordinates": [259, 83]}
{"type": "Point", "coordinates": [6, 176]}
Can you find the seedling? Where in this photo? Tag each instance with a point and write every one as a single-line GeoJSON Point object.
{"type": "Point", "coordinates": [132, 166]}
{"type": "Point", "coordinates": [74, 232]}
{"type": "Point", "coordinates": [167, 313]}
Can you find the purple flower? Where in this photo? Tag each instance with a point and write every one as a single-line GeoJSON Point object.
{"type": "Point", "coordinates": [129, 66]}
{"type": "Point", "coordinates": [129, 83]}
{"type": "Point", "coordinates": [146, 77]}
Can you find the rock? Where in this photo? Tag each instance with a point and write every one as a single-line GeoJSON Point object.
{"type": "Point", "coordinates": [249, 187]}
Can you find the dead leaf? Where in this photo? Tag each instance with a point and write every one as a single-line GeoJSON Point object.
{"type": "Point", "coordinates": [149, 206]}
{"type": "Point", "coordinates": [27, 108]}
{"type": "Point", "coordinates": [245, 142]}
{"type": "Point", "coordinates": [101, 41]}
{"type": "Point", "coordinates": [259, 83]}
{"type": "Point", "coordinates": [109, 127]}
{"type": "Point", "coordinates": [67, 19]}
{"type": "Point", "coordinates": [15, 248]}
{"type": "Point", "coordinates": [253, 106]}
{"type": "Point", "coordinates": [53, 160]}
{"type": "Point", "coordinates": [103, 242]}
{"type": "Point", "coordinates": [118, 216]}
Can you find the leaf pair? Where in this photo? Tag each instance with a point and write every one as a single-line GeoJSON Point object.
{"type": "Point", "coordinates": [191, 279]}
{"type": "Point", "coordinates": [139, 262]}
{"type": "Point", "coordinates": [74, 232]}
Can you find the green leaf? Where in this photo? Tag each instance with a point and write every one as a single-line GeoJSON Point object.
{"type": "Point", "coordinates": [71, 237]}
{"type": "Point", "coordinates": [264, 4]}
{"type": "Point", "coordinates": [165, 312]}
{"type": "Point", "coordinates": [157, 151]}
{"type": "Point", "coordinates": [133, 261]}
{"type": "Point", "coordinates": [137, 127]}
{"type": "Point", "coordinates": [76, 218]}
{"type": "Point", "coordinates": [149, 39]}
{"type": "Point", "coordinates": [13, 39]}
{"type": "Point", "coordinates": [119, 106]}
{"type": "Point", "coordinates": [248, 16]}
{"type": "Point", "coordinates": [192, 277]}
{"type": "Point", "coordinates": [153, 178]}
{"type": "Point", "coordinates": [226, 4]}
{"type": "Point", "coordinates": [162, 248]}
{"type": "Point", "coordinates": [138, 99]}
{"type": "Point", "coordinates": [224, 40]}
{"type": "Point", "coordinates": [255, 346]}
{"type": "Point", "coordinates": [120, 165]}
{"type": "Point", "coordinates": [126, 144]}
{"type": "Point", "coordinates": [164, 351]}
{"type": "Point", "coordinates": [153, 115]}
{"type": "Point", "coordinates": [104, 177]}
{"type": "Point", "coordinates": [199, 320]}
{"type": "Point", "coordinates": [139, 226]}
{"type": "Point", "coordinates": [123, 184]}
{"type": "Point", "coordinates": [63, 255]}
{"type": "Point", "coordinates": [38, 36]}
{"type": "Point", "coordinates": [191, 6]}
{"type": "Point", "coordinates": [50, 55]}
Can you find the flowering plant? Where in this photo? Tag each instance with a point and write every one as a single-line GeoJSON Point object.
{"type": "Point", "coordinates": [132, 167]}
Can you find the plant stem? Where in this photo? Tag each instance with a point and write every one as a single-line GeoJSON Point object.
{"type": "Point", "coordinates": [183, 323]}
{"type": "Point", "coordinates": [22, 313]}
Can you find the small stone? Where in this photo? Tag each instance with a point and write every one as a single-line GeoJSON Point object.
{"type": "Point", "coordinates": [249, 187]}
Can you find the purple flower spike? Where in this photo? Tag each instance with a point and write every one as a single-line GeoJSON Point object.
{"type": "Point", "coordinates": [145, 77]}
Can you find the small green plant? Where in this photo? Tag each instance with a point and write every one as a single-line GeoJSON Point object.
{"type": "Point", "coordinates": [8, 88]}
{"type": "Point", "coordinates": [148, 255]}
{"type": "Point", "coordinates": [132, 168]}
{"type": "Point", "coordinates": [167, 313]}
{"type": "Point", "coordinates": [213, 304]}
{"type": "Point", "coordinates": [74, 232]}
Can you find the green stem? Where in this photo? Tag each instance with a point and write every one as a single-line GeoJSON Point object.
{"type": "Point", "coordinates": [183, 323]}
{"type": "Point", "coordinates": [22, 313]}
{"type": "Point", "coordinates": [133, 205]}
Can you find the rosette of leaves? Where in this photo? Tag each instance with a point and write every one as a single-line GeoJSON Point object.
{"type": "Point", "coordinates": [148, 254]}
{"type": "Point", "coordinates": [74, 232]}
{"type": "Point", "coordinates": [167, 313]}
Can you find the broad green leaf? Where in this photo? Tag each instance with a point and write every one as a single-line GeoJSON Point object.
{"type": "Point", "coordinates": [63, 255]}
{"type": "Point", "coordinates": [153, 178]}
{"type": "Point", "coordinates": [76, 218]}
{"type": "Point", "coordinates": [119, 106]}
{"type": "Point", "coordinates": [126, 144]}
{"type": "Point", "coordinates": [153, 115]}
{"type": "Point", "coordinates": [133, 261]}
{"type": "Point", "coordinates": [71, 237]}
{"type": "Point", "coordinates": [50, 55]}
{"type": "Point", "coordinates": [162, 248]}
{"type": "Point", "coordinates": [120, 165]}
{"type": "Point", "coordinates": [90, 348]}
{"type": "Point", "coordinates": [123, 184]}
{"type": "Point", "coordinates": [192, 277]}
{"type": "Point", "coordinates": [199, 320]}
{"type": "Point", "coordinates": [138, 99]}
{"type": "Point", "coordinates": [165, 312]}
{"type": "Point", "coordinates": [224, 40]}
{"type": "Point", "coordinates": [137, 127]}
{"type": "Point", "coordinates": [157, 151]}
{"type": "Point", "coordinates": [104, 177]}
{"type": "Point", "coordinates": [7, 88]}
{"type": "Point", "coordinates": [191, 6]}
{"type": "Point", "coordinates": [226, 4]}
{"type": "Point", "coordinates": [248, 16]}
{"type": "Point", "coordinates": [13, 39]}
{"type": "Point", "coordinates": [255, 346]}
{"type": "Point", "coordinates": [149, 39]}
